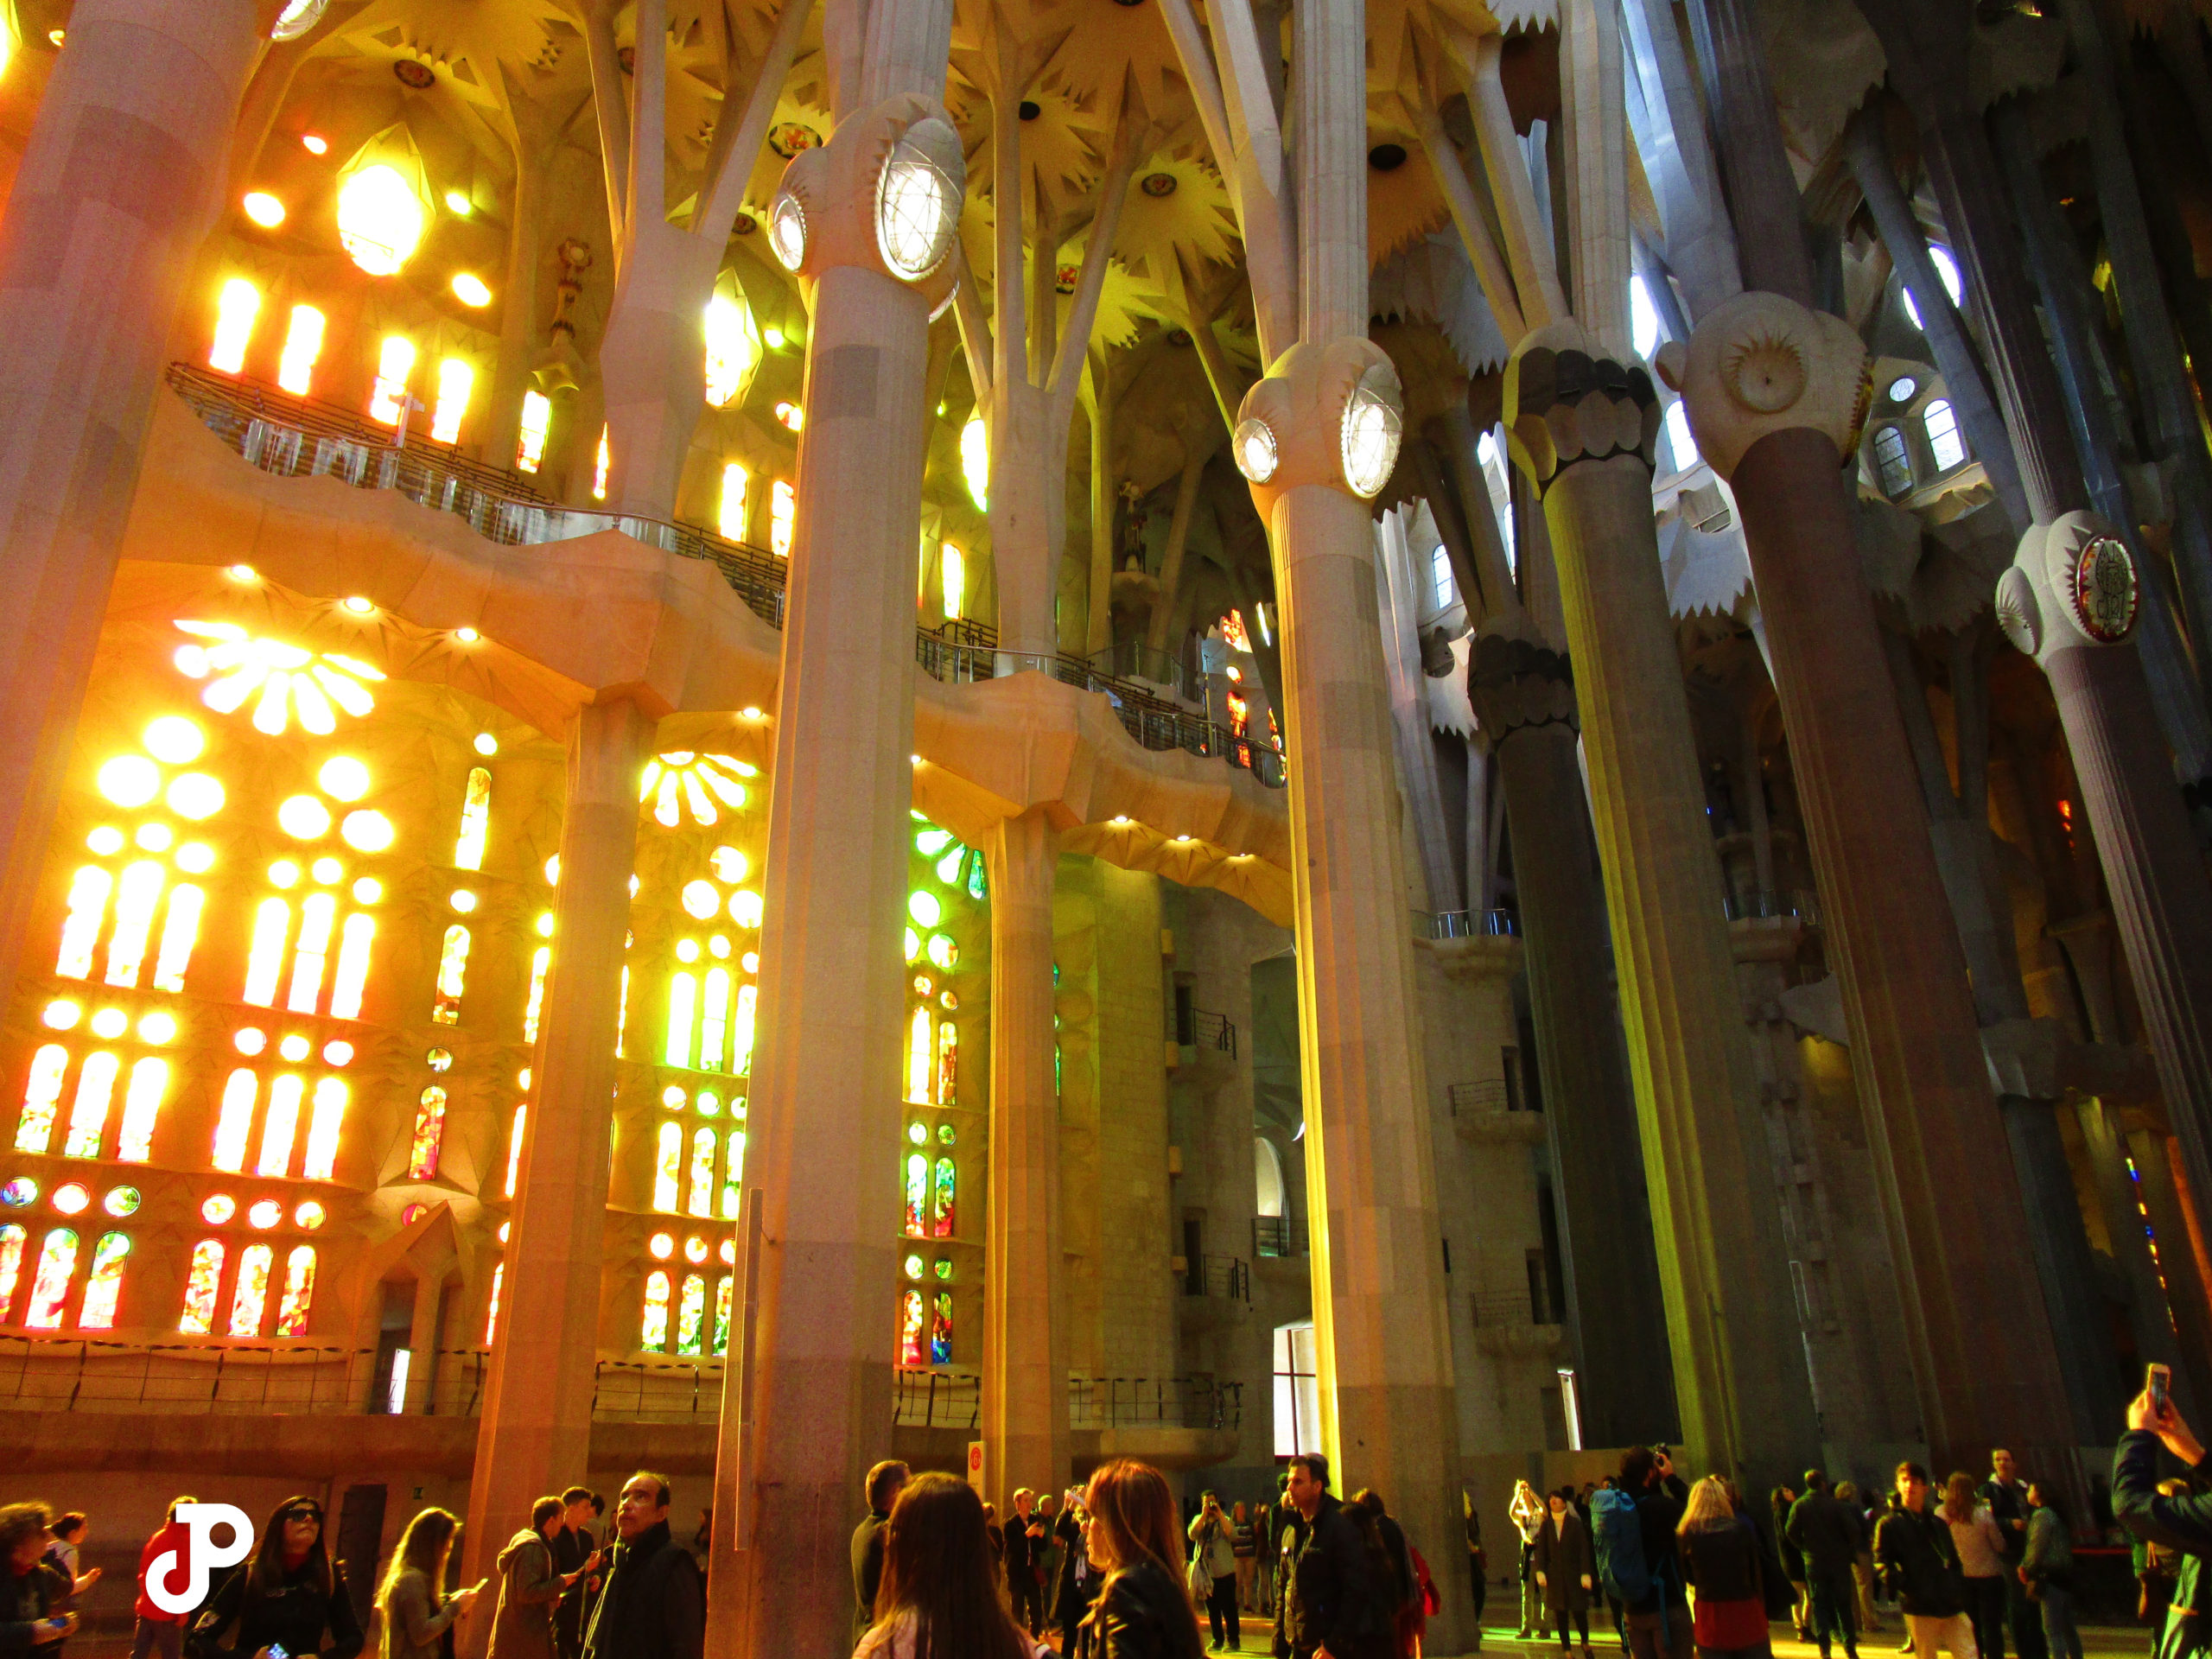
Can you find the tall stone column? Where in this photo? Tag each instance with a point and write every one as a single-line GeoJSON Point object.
{"type": "Point", "coordinates": [1523, 695]}
{"type": "Point", "coordinates": [807, 1395]}
{"type": "Point", "coordinates": [1776, 394]}
{"type": "Point", "coordinates": [1583, 426]}
{"type": "Point", "coordinates": [118, 188]}
{"type": "Point", "coordinates": [2156, 1336]}
{"type": "Point", "coordinates": [1389, 1413]}
{"type": "Point", "coordinates": [2181, 1254]}
{"type": "Point", "coordinates": [1025, 1327]}
{"type": "Point", "coordinates": [536, 1427]}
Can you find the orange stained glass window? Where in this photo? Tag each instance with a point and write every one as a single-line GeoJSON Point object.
{"type": "Point", "coordinates": [941, 1203]}
{"type": "Point", "coordinates": [88, 1116]}
{"type": "Point", "coordinates": [653, 1330]}
{"type": "Point", "coordinates": [202, 1279]}
{"type": "Point", "coordinates": [105, 1283]}
{"type": "Point", "coordinates": [429, 1131]}
{"type": "Point", "coordinates": [491, 1311]}
{"type": "Point", "coordinates": [668, 1167]}
{"type": "Point", "coordinates": [691, 1315]}
{"type": "Point", "coordinates": [948, 1063]}
{"type": "Point", "coordinates": [42, 1094]}
{"type": "Point", "coordinates": [12, 1240]}
{"type": "Point", "coordinates": [538, 963]}
{"type": "Point", "coordinates": [733, 1174]}
{"type": "Point", "coordinates": [278, 1126]}
{"type": "Point", "coordinates": [179, 933]}
{"type": "Point", "coordinates": [57, 1262]}
{"type": "Point", "coordinates": [299, 1292]}
{"type": "Point", "coordinates": [910, 1330]}
{"type": "Point", "coordinates": [136, 897]}
{"type": "Point", "coordinates": [323, 1131]}
{"type": "Point", "coordinates": [918, 1192]}
{"type": "Point", "coordinates": [703, 1172]}
{"type": "Point", "coordinates": [475, 821]}
{"type": "Point", "coordinates": [514, 1147]}
{"type": "Point", "coordinates": [272, 925]}
{"type": "Point", "coordinates": [80, 931]}
{"type": "Point", "coordinates": [142, 1106]}
{"type": "Point", "coordinates": [234, 1123]}
{"type": "Point", "coordinates": [249, 1297]}
{"type": "Point", "coordinates": [453, 976]}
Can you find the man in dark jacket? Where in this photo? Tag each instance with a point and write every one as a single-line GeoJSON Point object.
{"type": "Point", "coordinates": [2006, 1494]}
{"type": "Point", "coordinates": [1330, 1599]}
{"type": "Point", "coordinates": [572, 1548]}
{"type": "Point", "coordinates": [31, 1590]}
{"type": "Point", "coordinates": [1829, 1533]}
{"type": "Point", "coordinates": [1916, 1562]}
{"type": "Point", "coordinates": [884, 1482]}
{"type": "Point", "coordinates": [1025, 1536]}
{"type": "Point", "coordinates": [653, 1606]}
{"type": "Point", "coordinates": [1659, 1622]}
{"type": "Point", "coordinates": [2181, 1523]}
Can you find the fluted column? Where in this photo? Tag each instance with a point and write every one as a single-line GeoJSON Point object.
{"type": "Point", "coordinates": [536, 1425]}
{"type": "Point", "coordinates": [118, 188]}
{"type": "Point", "coordinates": [1025, 1327]}
{"type": "Point", "coordinates": [1583, 426]}
{"type": "Point", "coordinates": [807, 1395]}
{"type": "Point", "coordinates": [1523, 695]}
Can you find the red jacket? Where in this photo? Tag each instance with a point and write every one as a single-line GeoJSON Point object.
{"type": "Point", "coordinates": [174, 1536]}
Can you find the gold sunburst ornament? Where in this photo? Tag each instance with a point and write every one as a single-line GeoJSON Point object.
{"type": "Point", "coordinates": [687, 780]}
{"type": "Point", "coordinates": [294, 683]}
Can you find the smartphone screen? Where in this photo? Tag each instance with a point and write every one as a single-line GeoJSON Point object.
{"type": "Point", "coordinates": [2158, 1380]}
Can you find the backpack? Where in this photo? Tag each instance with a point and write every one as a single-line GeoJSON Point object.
{"type": "Point", "coordinates": [1618, 1535]}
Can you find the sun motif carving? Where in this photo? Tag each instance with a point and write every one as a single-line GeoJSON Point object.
{"type": "Point", "coordinates": [685, 780]}
{"type": "Point", "coordinates": [294, 683]}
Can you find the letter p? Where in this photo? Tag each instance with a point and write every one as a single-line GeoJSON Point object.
{"type": "Point", "coordinates": [202, 1557]}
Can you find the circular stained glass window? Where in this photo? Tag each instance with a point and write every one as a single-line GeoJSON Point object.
{"type": "Point", "coordinates": [730, 1252]}
{"type": "Point", "coordinates": [694, 1248]}
{"type": "Point", "coordinates": [121, 1201]}
{"type": "Point", "coordinates": [219, 1209]}
{"type": "Point", "coordinates": [914, 1267]}
{"type": "Point", "coordinates": [309, 1215]}
{"type": "Point", "coordinates": [917, 1134]}
{"type": "Point", "coordinates": [944, 1268]}
{"type": "Point", "coordinates": [945, 1134]}
{"type": "Point", "coordinates": [662, 1245]}
{"type": "Point", "coordinates": [264, 1214]}
{"type": "Point", "coordinates": [18, 1192]}
{"type": "Point", "coordinates": [72, 1199]}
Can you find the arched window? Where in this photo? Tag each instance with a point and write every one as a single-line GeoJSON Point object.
{"type": "Point", "coordinates": [429, 1131]}
{"type": "Point", "coordinates": [948, 1064]}
{"type": "Point", "coordinates": [721, 1314]}
{"type": "Point", "coordinates": [42, 1096]}
{"type": "Point", "coordinates": [299, 1292]}
{"type": "Point", "coordinates": [941, 1203]}
{"type": "Point", "coordinates": [918, 1056]}
{"type": "Point", "coordinates": [475, 821]}
{"type": "Point", "coordinates": [667, 1168]}
{"type": "Point", "coordinates": [234, 1123]}
{"type": "Point", "coordinates": [88, 1116]}
{"type": "Point", "coordinates": [1891, 461]}
{"type": "Point", "coordinates": [1941, 426]}
{"type": "Point", "coordinates": [453, 976]}
{"type": "Point", "coordinates": [910, 1330]}
{"type": "Point", "coordinates": [703, 1142]}
{"type": "Point", "coordinates": [514, 1146]}
{"type": "Point", "coordinates": [105, 1283]}
{"type": "Point", "coordinates": [541, 963]}
{"type": "Point", "coordinates": [941, 1330]}
{"type": "Point", "coordinates": [733, 1174]}
{"type": "Point", "coordinates": [57, 1262]}
{"type": "Point", "coordinates": [141, 1105]}
{"type": "Point", "coordinates": [249, 1297]}
{"type": "Point", "coordinates": [682, 1006]}
{"type": "Point", "coordinates": [278, 1125]}
{"type": "Point", "coordinates": [1442, 592]}
{"type": "Point", "coordinates": [201, 1281]}
{"type": "Point", "coordinates": [80, 931]}
{"type": "Point", "coordinates": [691, 1315]}
{"type": "Point", "coordinates": [323, 1131]}
{"type": "Point", "coordinates": [12, 1240]}
{"type": "Point", "coordinates": [653, 1331]}
{"type": "Point", "coordinates": [1267, 1168]}
{"type": "Point", "coordinates": [492, 1308]}
{"type": "Point", "coordinates": [918, 1192]}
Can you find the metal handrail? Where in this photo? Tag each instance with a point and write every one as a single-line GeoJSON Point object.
{"type": "Point", "coordinates": [297, 437]}
{"type": "Point", "coordinates": [1281, 1236]}
{"type": "Point", "coordinates": [1466, 925]}
{"type": "Point", "coordinates": [1228, 1277]}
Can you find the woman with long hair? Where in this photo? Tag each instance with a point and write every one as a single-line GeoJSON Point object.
{"type": "Point", "coordinates": [1981, 1559]}
{"type": "Point", "coordinates": [288, 1594]}
{"type": "Point", "coordinates": [939, 1595]}
{"type": "Point", "coordinates": [1144, 1612]}
{"type": "Point", "coordinates": [1720, 1555]}
{"type": "Point", "coordinates": [415, 1614]}
{"type": "Point", "coordinates": [1395, 1567]}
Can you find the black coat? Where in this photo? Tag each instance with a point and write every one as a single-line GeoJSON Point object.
{"type": "Point", "coordinates": [868, 1569]}
{"type": "Point", "coordinates": [653, 1606]}
{"type": "Point", "coordinates": [27, 1598]}
{"type": "Point", "coordinates": [1071, 1600]}
{"type": "Point", "coordinates": [1830, 1533]}
{"type": "Point", "coordinates": [1725, 1563]}
{"type": "Point", "coordinates": [1334, 1600]}
{"type": "Point", "coordinates": [1144, 1612]}
{"type": "Point", "coordinates": [293, 1614]}
{"type": "Point", "coordinates": [1916, 1558]}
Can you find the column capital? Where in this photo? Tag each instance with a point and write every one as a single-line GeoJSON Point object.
{"type": "Point", "coordinates": [2072, 585]}
{"type": "Point", "coordinates": [1330, 414]}
{"type": "Point", "coordinates": [1761, 363]}
{"type": "Point", "coordinates": [884, 194]}
{"type": "Point", "coordinates": [1517, 684]}
{"type": "Point", "coordinates": [1567, 399]}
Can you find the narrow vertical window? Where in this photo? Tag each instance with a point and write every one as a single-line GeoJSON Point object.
{"type": "Point", "coordinates": [355, 941]}
{"type": "Point", "coordinates": [475, 821]}
{"type": "Point", "coordinates": [42, 1094]}
{"type": "Point", "coordinates": [57, 1263]}
{"type": "Point", "coordinates": [668, 1166]}
{"type": "Point", "coordinates": [602, 463]}
{"type": "Point", "coordinates": [733, 1174]}
{"type": "Point", "coordinates": [683, 1014]}
{"type": "Point", "coordinates": [302, 344]}
{"type": "Point", "coordinates": [202, 1279]}
{"type": "Point", "coordinates": [12, 1240]}
{"type": "Point", "coordinates": [783, 518]}
{"type": "Point", "coordinates": [910, 1330]}
{"type": "Point", "coordinates": [272, 923]}
{"type": "Point", "coordinates": [278, 1126]}
{"type": "Point", "coordinates": [1891, 461]}
{"type": "Point", "coordinates": [920, 1057]}
{"type": "Point", "coordinates": [721, 1314]}
{"type": "Point", "coordinates": [88, 1115]}
{"type": "Point", "coordinates": [732, 516]}
{"type": "Point", "coordinates": [104, 1284]}
{"type": "Point", "coordinates": [250, 1296]}
{"type": "Point", "coordinates": [453, 976]}
{"type": "Point", "coordinates": [323, 1131]}
{"type": "Point", "coordinates": [948, 1064]}
{"type": "Point", "coordinates": [395, 363]}
{"type": "Point", "coordinates": [691, 1315]}
{"type": "Point", "coordinates": [541, 960]}
{"type": "Point", "coordinates": [652, 1331]}
{"type": "Point", "coordinates": [234, 1123]}
{"type": "Point", "coordinates": [941, 1202]}
{"type": "Point", "coordinates": [741, 1046]}
{"type": "Point", "coordinates": [491, 1308]}
{"type": "Point", "coordinates": [713, 1019]}
{"type": "Point", "coordinates": [136, 896]}
{"type": "Point", "coordinates": [514, 1147]}
{"type": "Point", "coordinates": [142, 1106]}
{"type": "Point", "coordinates": [702, 1171]}
{"type": "Point", "coordinates": [80, 930]}
{"type": "Point", "coordinates": [952, 568]}
{"type": "Point", "coordinates": [429, 1133]}
{"type": "Point", "coordinates": [918, 1193]}
{"type": "Point", "coordinates": [622, 1015]}
{"type": "Point", "coordinates": [456, 379]}
{"type": "Point", "coordinates": [178, 934]}
{"type": "Point", "coordinates": [941, 1330]}
{"type": "Point", "coordinates": [529, 440]}
{"type": "Point", "coordinates": [1944, 442]}
{"type": "Point", "coordinates": [236, 307]}
{"type": "Point", "coordinates": [299, 1292]}
{"type": "Point", "coordinates": [318, 914]}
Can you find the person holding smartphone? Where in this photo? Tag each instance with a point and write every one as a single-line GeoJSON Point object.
{"type": "Point", "coordinates": [2177, 1522]}
{"type": "Point", "coordinates": [287, 1598]}
{"type": "Point", "coordinates": [33, 1591]}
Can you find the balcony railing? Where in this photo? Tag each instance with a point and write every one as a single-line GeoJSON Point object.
{"type": "Point", "coordinates": [1465, 924]}
{"type": "Point", "coordinates": [1489, 1094]}
{"type": "Point", "coordinates": [1214, 1032]}
{"type": "Point", "coordinates": [299, 437]}
{"type": "Point", "coordinates": [955, 1400]}
{"type": "Point", "coordinates": [1279, 1235]}
{"type": "Point", "coordinates": [1226, 1277]}
{"type": "Point", "coordinates": [1507, 1308]}
{"type": "Point", "coordinates": [1133, 660]}
{"type": "Point", "coordinates": [1754, 906]}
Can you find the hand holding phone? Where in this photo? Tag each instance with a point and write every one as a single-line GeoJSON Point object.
{"type": "Point", "coordinates": [2158, 1381]}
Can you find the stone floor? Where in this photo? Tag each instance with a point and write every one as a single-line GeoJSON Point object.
{"type": "Point", "coordinates": [2098, 1642]}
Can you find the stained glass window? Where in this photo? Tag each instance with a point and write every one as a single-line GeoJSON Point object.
{"type": "Point", "coordinates": [88, 1116]}
{"type": "Point", "coordinates": [323, 1130]}
{"type": "Point", "coordinates": [429, 1131]}
{"type": "Point", "coordinates": [920, 1058]}
{"type": "Point", "coordinates": [941, 1330]}
{"type": "Point", "coordinates": [272, 925]}
{"type": "Point", "coordinates": [318, 917]}
{"type": "Point", "coordinates": [741, 1036]}
{"type": "Point", "coordinates": [278, 1125]}
{"type": "Point", "coordinates": [714, 1023]}
{"type": "Point", "coordinates": [703, 1172]}
{"type": "Point", "coordinates": [105, 1283]}
{"type": "Point", "coordinates": [682, 998]}
{"type": "Point", "coordinates": [179, 933]}
{"type": "Point", "coordinates": [234, 1124]}
{"type": "Point", "coordinates": [202, 1279]}
{"type": "Point", "coordinates": [475, 821]}
{"type": "Point", "coordinates": [249, 1297]}
{"type": "Point", "coordinates": [539, 963]}
{"type": "Point", "coordinates": [80, 933]}
{"type": "Point", "coordinates": [622, 1015]}
{"type": "Point", "coordinates": [12, 1239]}
{"type": "Point", "coordinates": [918, 1193]}
{"type": "Point", "coordinates": [141, 1105]}
{"type": "Point", "coordinates": [1937, 421]}
{"type": "Point", "coordinates": [136, 895]}
{"type": "Point", "coordinates": [352, 977]}
{"type": "Point", "coordinates": [453, 976]}
{"type": "Point", "coordinates": [42, 1093]}
{"type": "Point", "coordinates": [653, 1330]}
{"type": "Point", "coordinates": [667, 1168]}
{"type": "Point", "coordinates": [299, 1292]}
{"type": "Point", "coordinates": [492, 1309]}
{"type": "Point", "coordinates": [910, 1330]}
{"type": "Point", "coordinates": [514, 1147]}
{"type": "Point", "coordinates": [57, 1262]}
{"type": "Point", "coordinates": [948, 1064]}
{"type": "Point", "coordinates": [941, 1216]}
{"type": "Point", "coordinates": [691, 1315]}
{"type": "Point", "coordinates": [733, 1174]}
{"type": "Point", "coordinates": [722, 1314]}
